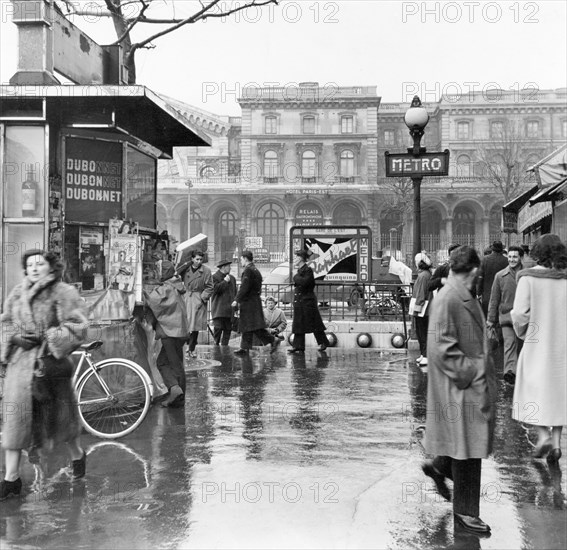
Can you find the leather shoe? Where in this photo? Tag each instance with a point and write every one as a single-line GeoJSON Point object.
{"type": "Point", "coordinates": [79, 467]}
{"type": "Point", "coordinates": [175, 392]}
{"type": "Point", "coordinates": [554, 455]}
{"type": "Point", "coordinates": [541, 450]}
{"type": "Point", "coordinates": [509, 377]}
{"type": "Point", "coordinates": [241, 352]}
{"type": "Point", "coordinates": [438, 478]}
{"type": "Point", "coordinates": [295, 350]}
{"type": "Point", "coordinates": [323, 347]}
{"type": "Point", "coordinates": [10, 488]}
{"type": "Point", "coordinates": [471, 523]}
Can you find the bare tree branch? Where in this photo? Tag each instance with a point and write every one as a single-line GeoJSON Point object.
{"type": "Point", "coordinates": [503, 159]}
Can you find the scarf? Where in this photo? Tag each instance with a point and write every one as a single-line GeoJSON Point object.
{"type": "Point", "coordinates": [545, 273]}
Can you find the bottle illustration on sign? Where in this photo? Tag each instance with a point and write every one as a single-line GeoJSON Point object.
{"type": "Point", "coordinates": [29, 193]}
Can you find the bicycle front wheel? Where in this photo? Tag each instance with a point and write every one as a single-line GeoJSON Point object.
{"type": "Point", "coordinates": [113, 399]}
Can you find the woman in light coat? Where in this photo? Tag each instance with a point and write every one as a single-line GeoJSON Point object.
{"type": "Point", "coordinates": [40, 309]}
{"type": "Point", "coordinates": [539, 317]}
{"type": "Point", "coordinates": [461, 390]}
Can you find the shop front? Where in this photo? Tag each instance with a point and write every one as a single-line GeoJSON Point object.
{"type": "Point", "coordinates": [78, 167]}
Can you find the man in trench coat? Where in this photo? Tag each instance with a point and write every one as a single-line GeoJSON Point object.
{"type": "Point", "coordinates": [251, 321]}
{"type": "Point", "coordinates": [198, 281]}
{"type": "Point", "coordinates": [461, 392]}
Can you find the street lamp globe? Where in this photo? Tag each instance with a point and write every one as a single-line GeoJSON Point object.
{"type": "Point", "coordinates": [416, 117]}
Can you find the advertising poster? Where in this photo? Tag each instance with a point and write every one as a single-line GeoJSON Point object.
{"type": "Point", "coordinates": [336, 253]}
{"type": "Point", "coordinates": [93, 180]}
{"type": "Point", "coordinates": [124, 264]}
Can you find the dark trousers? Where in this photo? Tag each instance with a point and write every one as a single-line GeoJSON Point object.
{"type": "Point", "coordinates": [192, 340]}
{"type": "Point", "coordinates": [262, 334]}
{"type": "Point", "coordinates": [421, 324]}
{"type": "Point", "coordinates": [299, 339]}
{"type": "Point", "coordinates": [222, 329]}
{"type": "Point", "coordinates": [466, 482]}
{"type": "Point", "coordinates": [170, 362]}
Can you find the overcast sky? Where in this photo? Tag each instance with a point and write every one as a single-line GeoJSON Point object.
{"type": "Point", "coordinates": [401, 47]}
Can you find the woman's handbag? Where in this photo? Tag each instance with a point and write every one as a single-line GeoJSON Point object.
{"type": "Point", "coordinates": [46, 369]}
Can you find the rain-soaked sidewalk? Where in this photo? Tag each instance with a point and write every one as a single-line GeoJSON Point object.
{"type": "Point", "coordinates": [278, 451]}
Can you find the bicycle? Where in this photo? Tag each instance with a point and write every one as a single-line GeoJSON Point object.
{"type": "Point", "coordinates": [113, 395]}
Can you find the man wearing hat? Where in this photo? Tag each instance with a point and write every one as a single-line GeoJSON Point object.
{"type": "Point", "coordinates": [490, 265]}
{"type": "Point", "coordinates": [223, 295]}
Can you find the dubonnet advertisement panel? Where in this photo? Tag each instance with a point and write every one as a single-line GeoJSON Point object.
{"type": "Point", "coordinates": [93, 180]}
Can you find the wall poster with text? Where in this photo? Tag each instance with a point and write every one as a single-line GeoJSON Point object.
{"type": "Point", "coordinates": [92, 180]}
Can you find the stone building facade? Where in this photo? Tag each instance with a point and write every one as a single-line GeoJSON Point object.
{"type": "Point", "coordinates": [314, 155]}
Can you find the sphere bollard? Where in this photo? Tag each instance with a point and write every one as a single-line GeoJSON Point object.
{"type": "Point", "coordinates": [398, 340]}
{"type": "Point", "coordinates": [333, 341]}
{"type": "Point", "coordinates": [290, 339]}
{"type": "Point", "coordinates": [364, 340]}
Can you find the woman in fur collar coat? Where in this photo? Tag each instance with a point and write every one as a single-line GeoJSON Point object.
{"type": "Point", "coordinates": [40, 309]}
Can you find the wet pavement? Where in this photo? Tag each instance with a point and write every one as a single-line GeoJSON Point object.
{"type": "Point", "coordinates": [278, 451]}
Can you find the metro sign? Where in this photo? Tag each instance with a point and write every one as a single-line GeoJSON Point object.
{"type": "Point", "coordinates": [426, 164]}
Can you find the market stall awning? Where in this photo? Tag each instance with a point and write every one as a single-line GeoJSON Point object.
{"type": "Point", "coordinates": [547, 194]}
{"type": "Point", "coordinates": [552, 168]}
{"type": "Point", "coordinates": [134, 110]}
{"type": "Point", "coordinates": [515, 204]}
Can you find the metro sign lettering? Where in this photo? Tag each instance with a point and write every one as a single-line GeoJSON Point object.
{"type": "Point", "coordinates": [426, 164]}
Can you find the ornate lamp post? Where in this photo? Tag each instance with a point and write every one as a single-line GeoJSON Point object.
{"type": "Point", "coordinates": [416, 119]}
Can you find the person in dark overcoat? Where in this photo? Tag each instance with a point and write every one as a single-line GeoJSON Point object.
{"type": "Point", "coordinates": [306, 316]}
{"type": "Point", "coordinates": [248, 301]}
{"type": "Point", "coordinates": [42, 315]}
{"type": "Point", "coordinates": [489, 267]}
{"type": "Point", "coordinates": [223, 295]}
{"type": "Point", "coordinates": [461, 392]}
{"type": "Point", "coordinates": [198, 281]}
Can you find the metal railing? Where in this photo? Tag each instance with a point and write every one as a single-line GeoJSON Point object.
{"type": "Point", "coordinates": [354, 302]}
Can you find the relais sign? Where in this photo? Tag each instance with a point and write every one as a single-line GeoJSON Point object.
{"type": "Point", "coordinates": [408, 165]}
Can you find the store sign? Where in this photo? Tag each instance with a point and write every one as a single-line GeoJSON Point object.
{"type": "Point", "coordinates": [93, 180]}
{"type": "Point", "coordinates": [426, 164]}
{"type": "Point", "coordinates": [253, 242]}
{"type": "Point", "coordinates": [309, 214]}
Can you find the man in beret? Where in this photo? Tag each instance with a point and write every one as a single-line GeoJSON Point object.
{"type": "Point", "coordinates": [224, 291]}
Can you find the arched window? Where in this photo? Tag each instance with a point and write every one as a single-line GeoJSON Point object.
{"type": "Point", "coordinates": [391, 226]}
{"type": "Point", "coordinates": [430, 228]}
{"type": "Point", "coordinates": [271, 226]}
{"type": "Point", "coordinates": [347, 214]}
{"type": "Point", "coordinates": [196, 223]}
{"type": "Point", "coordinates": [464, 225]}
{"type": "Point", "coordinates": [308, 167]}
{"type": "Point", "coordinates": [463, 166]}
{"type": "Point", "coordinates": [271, 167]}
{"type": "Point", "coordinates": [207, 171]}
{"type": "Point", "coordinates": [347, 166]}
{"type": "Point", "coordinates": [226, 233]}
